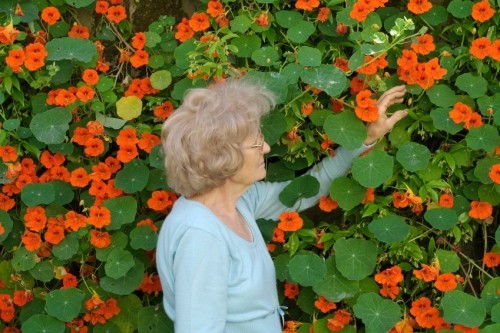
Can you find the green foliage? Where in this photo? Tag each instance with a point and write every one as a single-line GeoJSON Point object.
{"type": "Point", "coordinates": [390, 214]}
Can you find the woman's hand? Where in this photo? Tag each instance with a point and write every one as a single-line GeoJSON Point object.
{"type": "Point", "coordinates": [384, 124]}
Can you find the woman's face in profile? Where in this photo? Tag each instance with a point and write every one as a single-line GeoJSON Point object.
{"type": "Point", "coordinates": [254, 148]}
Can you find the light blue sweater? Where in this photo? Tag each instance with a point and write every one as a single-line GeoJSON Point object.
{"type": "Point", "coordinates": [215, 281]}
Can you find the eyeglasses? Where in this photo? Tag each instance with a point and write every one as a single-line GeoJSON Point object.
{"type": "Point", "coordinates": [259, 143]}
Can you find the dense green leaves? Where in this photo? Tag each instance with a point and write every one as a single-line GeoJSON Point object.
{"type": "Point", "coordinates": [389, 229]}
{"type": "Point", "coordinates": [345, 129]}
{"type": "Point", "coordinates": [355, 258]}
{"type": "Point", "coordinates": [307, 269]}
{"type": "Point", "coordinates": [462, 308]}
{"type": "Point", "coordinates": [64, 304]}
{"type": "Point", "coordinates": [71, 49]}
{"type": "Point", "coordinates": [441, 218]}
{"type": "Point", "coordinates": [347, 192]}
{"type": "Point", "coordinates": [378, 314]}
{"type": "Point", "coordinates": [302, 187]}
{"type": "Point", "coordinates": [372, 169]}
{"type": "Point", "coordinates": [327, 78]}
{"type": "Point", "coordinates": [50, 127]}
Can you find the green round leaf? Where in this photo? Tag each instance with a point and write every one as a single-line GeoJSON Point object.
{"type": "Point", "coordinates": [64, 304]}
{"type": "Point", "coordinates": [307, 269]}
{"type": "Point", "coordinates": [318, 116]}
{"type": "Point", "coordinates": [133, 177]}
{"type": "Point", "coordinates": [142, 237]}
{"type": "Point", "coordinates": [78, 49]}
{"type": "Point", "coordinates": [449, 262]}
{"type": "Point", "coordinates": [300, 31]}
{"type": "Point", "coordinates": [126, 284]}
{"type": "Point", "coordinates": [355, 258]}
{"type": "Point", "coordinates": [246, 45]}
{"type": "Point", "coordinates": [240, 23]}
{"type": "Point", "coordinates": [277, 172]}
{"type": "Point", "coordinates": [490, 295]}
{"type": "Point", "coordinates": [483, 168]}
{"type": "Point", "coordinates": [161, 79]}
{"type": "Point", "coordinates": [309, 56]}
{"type": "Point", "coordinates": [441, 95]}
{"type": "Point", "coordinates": [495, 313]}
{"type": "Point", "coordinates": [345, 129]}
{"type": "Point", "coordinates": [441, 218]}
{"type": "Point", "coordinates": [413, 156]}
{"type": "Point", "coordinates": [265, 56]}
{"type": "Point", "coordinates": [301, 187]}
{"type": "Point", "coordinates": [334, 286]}
{"type": "Point", "coordinates": [63, 192]}
{"type": "Point", "coordinates": [118, 263]}
{"type": "Point", "coordinates": [281, 265]}
{"type": "Point", "coordinates": [123, 210]}
{"type": "Point", "coordinates": [272, 81]}
{"type": "Point", "coordinates": [118, 240]}
{"type": "Point", "coordinates": [43, 323]}
{"type": "Point", "coordinates": [372, 169]}
{"type": "Point", "coordinates": [79, 3]}
{"type": "Point", "coordinates": [50, 127]}
{"type": "Point", "coordinates": [378, 314]}
{"type": "Point", "coordinates": [493, 328]}
{"type": "Point", "coordinates": [347, 193]}
{"type": "Point", "coordinates": [67, 248]}
{"type": "Point", "coordinates": [156, 157]}
{"type": "Point", "coordinates": [389, 229]}
{"type": "Point", "coordinates": [129, 107]}
{"type": "Point", "coordinates": [43, 271]}
{"type": "Point", "coordinates": [11, 124]}
{"type": "Point", "coordinates": [460, 8]}
{"type": "Point", "coordinates": [328, 78]}
{"type": "Point", "coordinates": [497, 236]}
{"type": "Point", "coordinates": [126, 320]}
{"type": "Point", "coordinates": [486, 104]}
{"type": "Point", "coordinates": [181, 55]}
{"type": "Point", "coordinates": [488, 192]}
{"type": "Point", "coordinates": [462, 308]}
{"type": "Point", "coordinates": [287, 19]}
{"type": "Point", "coordinates": [485, 137]}
{"type": "Point", "coordinates": [109, 327]}
{"type": "Point", "coordinates": [38, 193]}
{"type": "Point", "coordinates": [436, 15]}
{"type": "Point", "coordinates": [6, 223]}
{"type": "Point", "coordinates": [104, 84]}
{"type": "Point", "coordinates": [152, 319]}
{"type": "Point", "coordinates": [442, 121]}
{"type": "Point", "coordinates": [474, 85]}
{"type": "Point", "coordinates": [152, 38]}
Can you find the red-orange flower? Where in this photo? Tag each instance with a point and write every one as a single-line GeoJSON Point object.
{"type": "Point", "coordinates": [307, 5]}
{"type": "Point", "coordinates": [69, 281]}
{"type": "Point", "coordinates": [494, 173]}
{"type": "Point", "coordinates": [360, 11]}
{"type": "Point", "coordinates": [50, 15]}
{"type": "Point", "coordinates": [101, 7]}
{"type": "Point", "coordinates": [148, 141]}
{"type": "Point", "coordinates": [480, 210]}
{"type": "Point", "coordinates": [199, 22]}
{"type": "Point", "coordinates": [419, 6]}
{"type": "Point", "coordinates": [85, 94]}
{"type": "Point", "coordinates": [8, 34]}
{"type": "Point", "coordinates": [291, 290]}
{"type": "Point", "coordinates": [426, 273]}
{"type": "Point", "coordinates": [327, 204]}
{"type": "Point", "coordinates": [21, 297]}
{"type": "Point", "coordinates": [290, 221]}
{"type": "Point", "coordinates": [99, 216]}
{"type": "Point", "coordinates": [100, 239]}
{"type": "Point", "coordinates": [434, 70]}
{"type": "Point", "coordinates": [35, 218]}
{"type": "Point", "coordinates": [164, 110]}
{"type": "Point", "coordinates": [408, 59]}
{"type": "Point", "coordinates": [491, 259]}
{"type": "Point", "coordinates": [140, 58]}
{"type": "Point", "coordinates": [445, 282]}
{"type": "Point", "coordinates": [425, 44]}
{"type": "Point", "coordinates": [475, 120]}
{"type": "Point", "coordinates": [79, 31]}
{"type": "Point", "coordinates": [323, 14]}
{"type": "Point", "coordinates": [184, 31]}
{"type": "Point", "coordinates": [127, 152]}
{"type": "Point", "coordinates": [428, 318]}
{"type": "Point", "coordinates": [214, 8]}
{"type": "Point", "coordinates": [494, 50]}
{"type": "Point", "coordinates": [116, 13]}
{"type": "Point", "coordinates": [8, 154]}
{"type": "Point", "coordinates": [31, 240]}
{"type": "Point", "coordinates": [90, 76]}
{"type": "Point", "coordinates": [460, 113]}
{"type": "Point", "coordinates": [368, 113]}
{"type": "Point", "coordinates": [339, 320]}
{"type": "Point", "coordinates": [6, 203]}
{"type": "Point", "coordinates": [419, 306]}
{"type": "Point", "coordinates": [54, 234]}
{"type": "Point", "coordinates": [392, 276]}
{"type": "Point", "coordinates": [74, 221]}
{"type": "Point", "coordinates": [262, 19]}
{"type": "Point", "coordinates": [446, 200]}
{"type": "Point", "coordinates": [480, 47]}
{"type": "Point", "coordinates": [324, 305]}
{"type": "Point", "coordinates": [15, 59]}
{"type": "Point", "coordinates": [139, 40]}
{"type": "Point", "coordinates": [161, 200]}
{"type": "Point", "coordinates": [94, 147]}
{"type": "Point", "coordinates": [482, 11]}
{"type": "Point", "coordinates": [150, 284]}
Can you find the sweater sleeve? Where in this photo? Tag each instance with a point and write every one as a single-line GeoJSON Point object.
{"type": "Point", "coordinates": [264, 196]}
{"type": "Point", "coordinates": [200, 267]}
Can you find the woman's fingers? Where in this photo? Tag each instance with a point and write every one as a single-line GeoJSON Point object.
{"type": "Point", "coordinates": [390, 97]}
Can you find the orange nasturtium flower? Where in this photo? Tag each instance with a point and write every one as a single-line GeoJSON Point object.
{"type": "Point", "coordinates": [419, 6]}
{"type": "Point", "coordinates": [494, 173]}
{"type": "Point", "coordinates": [127, 136]}
{"type": "Point", "coordinates": [482, 11]}
{"type": "Point", "coordinates": [199, 22]}
{"type": "Point", "coordinates": [290, 221]}
{"type": "Point", "coordinates": [327, 204]}
{"type": "Point", "coordinates": [54, 234]}
{"type": "Point", "coordinates": [85, 94]}
{"type": "Point", "coordinates": [50, 15]}
{"type": "Point", "coordinates": [93, 147]}
{"type": "Point", "coordinates": [446, 282]}
{"type": "Point", "coordinates": [8, 34]}
{"type": "Point", "coordinates": [215, 8]}
{"type": "Point", "coordinates": [15, 59]}
{"type": "Point", "coordinates": [100, 239]}
{"type": "Point", "coordinates": [307, 5]}
{"type": "Point", "coordinates": [74, 221]}
{"type": "Point", "coordinates": [324, 305]}
{"type": "Point", "coordinates": [491, 259]}
{"type": "Point", "coordinates": [427, 273]}
{"type": "Point", "coordinates": [434, 70]}
{"type": "Point", "coordinates": [35, 218]}
{"type": "Point", "coordinates": [323, 14]}
{"type": "Point", "coordinates": [140, 58]}
{"type": "Point", "coordinates": [184, 31]}
{"type": "Point", "coordinates": [148, 141]}
{"type": "Point", "coordinates": [480, 47]}
{"type": "Point", "coordinates": [161, 200]}
{"type": "Point", "coordinates": [127, 152]}
{"type": "Point", "coordinates": [428, 318]}
{"type": "Point", "coordinates": [31, 240]}
{"type": "Point", "coordinates": [425, 44]}
{"type": "Point", "coordinates": [419, 306]}
{"type": "Point", "coordinates": [90, 76]}
{"type": "Point", "coordinates": [460, 113]}
{"type": "Point", "coordinates": [8, 153]}
{"type": "Point", "coordinates": [494, 50]}
{"type": "Point", "coordinates": [79, 31]}
{"type": "Point", "coordinates": [99, 216]}
{"type": "Point", "coordinates": [116, 14]}
{"type": "Point", "coordinates": [164, 110]}
{"type": "Point", "coordinates": [101, 7]}
{"type": "Point", "coordinates": [446, 200]}
{"type": "Point", "coordinates": [339, 320]}
{"type": "Point", "coordinates": [480, 210]}
{"type": "Point", "coordinates": [360, 11]}
{"type": "Point", "coordinates": [291, 290]}
{"type": "Point", "coordinates": [139, 40]}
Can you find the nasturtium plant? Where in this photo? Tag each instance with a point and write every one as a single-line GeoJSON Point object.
{"type": "Point", "coordinates": [414, 220]}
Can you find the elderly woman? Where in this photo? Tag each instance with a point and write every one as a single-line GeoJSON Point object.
{"type": "Point", "coordinates": [215, 269]}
